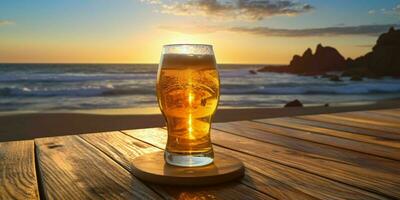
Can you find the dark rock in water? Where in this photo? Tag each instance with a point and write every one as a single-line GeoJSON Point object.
{"type": "Point", "coordinates": [335, 78]}
{"type": "Point", "coordinates": [252, 71]}
{"type": "Point", "coordinates": [356, 78]}
{"type": "Point", "coordinates": [383, 60]}
{"type": "Point", "coordinates": [5, 91]}
{"type": "Point", "coordinates": [326, 76]}
{"type": "Point", "coordinates": [347, 73]}
{"type": "Point", "coordinates": [295, 103]}
{"type": "Point", "coordinates": [360, 72]}
{"type": "Point", "coordinates": [331, 77]}
{"type": "Point", "coordinates": [326, 105]}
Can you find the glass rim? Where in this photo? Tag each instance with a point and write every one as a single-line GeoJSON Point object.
{"type": "Point", "coordinates": [187, 44]}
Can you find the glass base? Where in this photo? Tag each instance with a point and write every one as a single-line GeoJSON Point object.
{"type": "Point", "coordinates": [189, 160]}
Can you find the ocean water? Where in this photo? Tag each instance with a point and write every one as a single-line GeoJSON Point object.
{"type": "Point", "coordinates": [48, 87]}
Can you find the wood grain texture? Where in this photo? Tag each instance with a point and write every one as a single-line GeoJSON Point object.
{"type": "Point", "coordinates": [73, 169]}
{"type": "Point", "coordinates": [372, 137]}
{"type": "Point", "coordinates": [230, 191]}
{"type": "Point", "coordinates": [281, 181]}
{"type": "Point", "coordinates": [365, 124]}
{"type": "Point", "coordinates": [386, 136]}
{"type": "Point", "coordinates": [330, 156]}
{"type": "Point", "coordinates": [368, 118]}
{"type": "Point", "coordinates": [361, 170]}
{"type": "Point", "coordinates": [272, 136]}
{"type": "Point", "coordinates": [287, 128]}
{"type": "Point", "coordinates": [389, 113]}
{"type": "Point", "coordinates": [373, 116]}
{"type": "Point", "coordinates": [17, 170]}
{"type": "Point", "coordinates": [123, 149]}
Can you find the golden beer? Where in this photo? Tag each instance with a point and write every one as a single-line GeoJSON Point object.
{"type": "Point", "coordinates": [188, 95]}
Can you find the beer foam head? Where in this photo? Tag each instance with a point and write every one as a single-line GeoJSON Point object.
{"type": "Point", "coordinates": [188, 49]}
{"type": "Point", "coordinates": [187, 61]}
{"type": "Point", "coordinates": [188, 56]}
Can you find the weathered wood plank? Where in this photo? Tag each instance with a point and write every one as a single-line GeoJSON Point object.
{"type": "Point", "coordinates": [372, 116]}
{"type": "Point", "coordinates": [337, 131]}
{"type": "Point", "coordinates": [71, 168]}
{"type": "Point", "coordinates": [17, 170]}
{"type": "Point", "coordinates": [368, 118]}
{"type": "Point", "coordinates": [376, 133]}
{"type": "Point", "coordinates": [313, 185]}
{"type": "Point", "coordinates": [366, 124]}
{"type": "Point", "coordinates": [389, 113]}
{"type": "Point", "coordinates": [273, 136]}
{"type": "Point", "coordinates": [287, 128]}
{"type": "Point", "coordinates": [361, 170]}
{"type": "Point", "coordinates": [123, 148]}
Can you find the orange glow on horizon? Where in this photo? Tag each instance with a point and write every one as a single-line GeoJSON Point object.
{"type": "Point", "coordinates": [146, 48]}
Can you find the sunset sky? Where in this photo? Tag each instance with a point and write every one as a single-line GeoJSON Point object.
{"type": "Point", "coordinates": [133, 31]}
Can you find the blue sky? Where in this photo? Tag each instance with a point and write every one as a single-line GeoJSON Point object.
{"type": "Point", "coordinates": [134, 31]}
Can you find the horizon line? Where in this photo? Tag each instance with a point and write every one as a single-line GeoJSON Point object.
{"type": "Point", "coordinates": [105, 63]}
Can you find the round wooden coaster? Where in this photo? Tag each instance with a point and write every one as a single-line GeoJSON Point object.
{"type": "Point", "coordinates": [152, 168]}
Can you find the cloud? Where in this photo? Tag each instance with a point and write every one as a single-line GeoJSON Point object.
{"type": "Point", "coordinates": [236, 9]}
{"type": "Point", "coordinates": [151, 1]}
{"type": "Point", "coordinates": [4, 22]}
{"type": "Point", "coordinates": [368, 30]}
{"type": "Point", "coordinates": [391, 11]}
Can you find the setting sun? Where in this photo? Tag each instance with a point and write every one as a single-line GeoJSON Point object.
{"type": "Point", "coordinates": [182, 38]}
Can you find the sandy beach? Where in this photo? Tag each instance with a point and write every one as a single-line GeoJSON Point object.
{"type": "Point", "coordinates": [33, 125]}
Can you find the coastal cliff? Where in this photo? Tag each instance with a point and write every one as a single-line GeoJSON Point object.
{"type": "Point", "coordinates": [383, 60]}
{"type": "Point", "coordinates": [324, 59]}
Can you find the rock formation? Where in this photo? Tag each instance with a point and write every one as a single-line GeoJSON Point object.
{"type": "Point", "coordinates": [325, 59]}
{"type": "Point", "coordinates": [295, 103]}
{"type": "Point", "coordinates": [252, 71]}
{"type": "Point", "coordinates": [383, 60]}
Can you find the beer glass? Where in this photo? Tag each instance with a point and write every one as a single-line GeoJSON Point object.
{"type": "Point", "coordinates": [188, 95]}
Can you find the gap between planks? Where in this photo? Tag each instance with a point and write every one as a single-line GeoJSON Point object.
{"type": "Point", "coordinates": [39, 178]}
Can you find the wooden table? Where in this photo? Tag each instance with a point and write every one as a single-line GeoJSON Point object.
{"type": "Point", "coordinates": [331, 156]}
